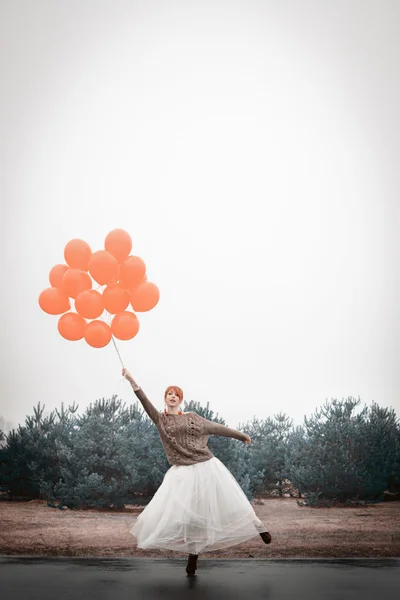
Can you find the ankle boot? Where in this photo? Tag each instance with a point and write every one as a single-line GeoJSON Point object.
{"type": "Point", "coordinates": [192, 564]}
{"type": "Point", "coordinates": [266, 537]}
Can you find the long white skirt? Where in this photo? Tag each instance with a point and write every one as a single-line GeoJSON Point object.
{"type": "Point", "coordinates": [197, 508]}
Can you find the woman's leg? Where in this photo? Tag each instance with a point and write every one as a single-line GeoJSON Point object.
{"type": "Point", "coordinates": [191, 564]}
{"type": "Point", "coordinates": [192, 560]}
{"type": "Point", "coordinates": [191, 548]}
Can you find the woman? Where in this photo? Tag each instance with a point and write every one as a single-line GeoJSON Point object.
{"type": "Point", "coordinates": [199, 506]}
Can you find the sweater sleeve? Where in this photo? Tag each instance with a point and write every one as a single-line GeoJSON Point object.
{"type": "Point", "coordinates": [212, 428]}
{"type": "Point", "coordinates": [148, 406]}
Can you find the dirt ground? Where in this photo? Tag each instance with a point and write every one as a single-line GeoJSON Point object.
{"type": "Point", "coordinates": [297, 532]}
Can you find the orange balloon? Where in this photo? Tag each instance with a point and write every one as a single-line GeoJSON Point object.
{"type": "Point", "coordinates": [118, 243]}
{"type": "Point", "coordinates": [56, 275]}
{"type": "Point", "coordinates": [77, 254]}
{"type": "Point", "coordinates": [132, 271]}
{"type": "Point", "coordinates": [125, 325]}
{"type": "Point", "coordinates": [75, 281]}
{"type": "Point", "coordinates": [145, 297]}
{"type": "Point", "coordinates": [98, 334]}
{"type": "Point", "coordinates": [132, 289]}
{"type": "Point", "coordinates": [54, 301]}
{"type": "Point", "coordinates": [103, 267]}
{"type": "Point", "coordinates": [89, 304]}
{"type": "Point", "coordinates": [115, 279]}
{"type": "Point", "coordinates": [116, 298]}
{"type": "Point", "coordinates": [71, 326]}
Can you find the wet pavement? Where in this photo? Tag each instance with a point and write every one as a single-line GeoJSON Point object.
{"type": "Point", "coordinates": [62, 578]}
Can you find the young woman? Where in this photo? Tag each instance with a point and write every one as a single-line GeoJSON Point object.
{"type": "Point", "coordinates": [199, 506]}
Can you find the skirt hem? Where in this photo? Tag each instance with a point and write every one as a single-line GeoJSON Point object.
{"type": "Point", "coordinates": [185, 550]}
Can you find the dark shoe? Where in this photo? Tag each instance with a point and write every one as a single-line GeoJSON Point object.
{"type": "Point", "coordinates": [266, 537]}
{"type": "Point", "coordinates": [192, 564]}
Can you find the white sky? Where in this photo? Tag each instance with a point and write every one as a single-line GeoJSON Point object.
{"type": "Point", "coordinates": [251, 151]}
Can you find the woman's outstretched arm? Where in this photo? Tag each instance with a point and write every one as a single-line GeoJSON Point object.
{"type": "Point", "coordinates": [212, 428]}
{"type": "Point", "coordinates": [147, 405]}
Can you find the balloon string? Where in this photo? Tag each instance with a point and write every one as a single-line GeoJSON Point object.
{"type": "Point", "coordinates": [115, 346]}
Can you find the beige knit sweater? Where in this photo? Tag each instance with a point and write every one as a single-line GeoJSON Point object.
{"type": "Point", "coordinates": [185, 436]}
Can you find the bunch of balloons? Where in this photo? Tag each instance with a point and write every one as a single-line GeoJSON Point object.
{"type": "Point", "coordinates": [122, 282]}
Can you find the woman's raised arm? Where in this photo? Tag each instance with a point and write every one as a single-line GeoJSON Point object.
{"type": "Point", "coordinates": [147, 405]}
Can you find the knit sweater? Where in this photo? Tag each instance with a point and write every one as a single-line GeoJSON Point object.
{"type": "Point", "coordinates": [185, 436]}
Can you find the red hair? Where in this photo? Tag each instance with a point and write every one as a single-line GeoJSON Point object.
{"type": "Point", "coordinates": [177, 391]}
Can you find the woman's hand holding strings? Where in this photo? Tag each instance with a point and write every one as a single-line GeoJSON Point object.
{"type": "Point", "coordinates": [128, 376]}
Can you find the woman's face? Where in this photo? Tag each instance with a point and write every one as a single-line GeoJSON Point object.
{"type": "Point", "coordinates": [172, 398]}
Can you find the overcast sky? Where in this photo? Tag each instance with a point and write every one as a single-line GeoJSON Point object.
{"type": "Point", "coordinates": [251, 149]}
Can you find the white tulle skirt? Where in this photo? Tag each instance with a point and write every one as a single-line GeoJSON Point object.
{"type": "Point", "coordinates": [197, 508]}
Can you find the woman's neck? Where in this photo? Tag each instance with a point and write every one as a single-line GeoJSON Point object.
{"type": "Point", "coordinates": [173, 411]}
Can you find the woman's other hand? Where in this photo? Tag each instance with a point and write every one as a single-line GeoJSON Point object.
{"type": "Point", "coordinates": [247, 440]}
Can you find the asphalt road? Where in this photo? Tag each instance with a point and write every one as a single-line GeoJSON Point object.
{"type": "Point", "coordinates": [62, 578]}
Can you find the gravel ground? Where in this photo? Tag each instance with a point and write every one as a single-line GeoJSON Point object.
{"type": "Point", "coordinates": [297, 532]}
